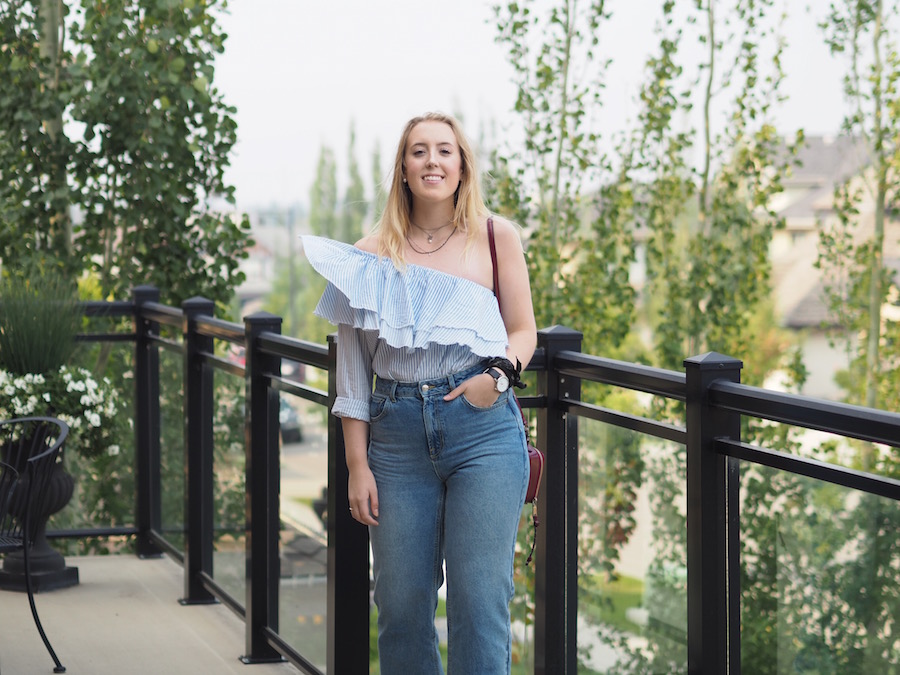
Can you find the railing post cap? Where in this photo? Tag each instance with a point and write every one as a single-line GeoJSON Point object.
{"type": "Point", "coordinates": [712, 360]}
{"type": "Point", "coordinates": [259, 317]}
{"type": "Point", "coordinates": [557, 331]}
{"type": "Point", "coordinates": [196, 301]}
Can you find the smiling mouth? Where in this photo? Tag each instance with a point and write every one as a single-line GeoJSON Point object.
{"type": "Point", "coordinates": [432, 179]}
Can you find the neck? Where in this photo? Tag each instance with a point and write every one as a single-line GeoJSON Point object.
{"type": "Point", "coordinates": [431, 218]}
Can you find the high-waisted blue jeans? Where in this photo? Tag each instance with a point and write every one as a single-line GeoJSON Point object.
{"type": "Point", "coordinates": [451, 481]}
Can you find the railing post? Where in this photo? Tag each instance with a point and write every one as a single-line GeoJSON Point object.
{"type": "Point", "coordinates": [556, 575]}
{"type": "Point", "coordinates": [711, 517]}
{"type": "Point", "coordinates": [348, 555]}
{"type": "Point", "coordinates": [148, 486]}
{"type": "Point", "coordinates": [198, 454]}
{"type": "Point", "coordinates": [263, 522]}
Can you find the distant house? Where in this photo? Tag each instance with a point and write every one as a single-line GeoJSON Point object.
{"type": "Point", "coordinates": [807, 205]}
{"type": "Point", "coordinates": [273, 232]}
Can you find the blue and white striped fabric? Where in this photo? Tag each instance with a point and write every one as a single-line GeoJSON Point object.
{"type": "Point", "coordinates": [407, 326]}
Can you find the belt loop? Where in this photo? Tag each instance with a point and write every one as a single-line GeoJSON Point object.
{"type": "Point", "coordinates": [393, 394]}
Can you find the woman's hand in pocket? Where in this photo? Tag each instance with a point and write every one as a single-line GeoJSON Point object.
{"type": "Point", "coordinates": [479, 390]}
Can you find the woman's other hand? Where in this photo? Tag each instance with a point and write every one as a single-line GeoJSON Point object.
{"type": "Point", "coordinates": [363, 496]}
{"type": "Point", "coordinates": [362, 492]}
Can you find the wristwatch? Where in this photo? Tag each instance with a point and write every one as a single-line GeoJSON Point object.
{"type": "Point", "coordinates": [501, 381]}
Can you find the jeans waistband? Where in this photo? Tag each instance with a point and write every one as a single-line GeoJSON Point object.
{"type": "Point", "coordinates": [394, 389]}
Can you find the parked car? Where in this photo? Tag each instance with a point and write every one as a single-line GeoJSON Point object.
{"type": "Point", "coordinates": [291, 431]}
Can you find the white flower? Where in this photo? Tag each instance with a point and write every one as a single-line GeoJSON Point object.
{"type": "Point", "coordinates": [87, 404]}
{"type": "Point", "coordinates": [112, 450]}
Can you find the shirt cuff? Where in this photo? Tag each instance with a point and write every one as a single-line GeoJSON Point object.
{"type": "Point", "coordinates": [346, 407]}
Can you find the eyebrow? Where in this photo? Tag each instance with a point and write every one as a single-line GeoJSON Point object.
{"type": "Point", "coordinates": [424, 144]}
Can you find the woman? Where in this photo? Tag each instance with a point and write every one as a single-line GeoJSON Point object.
{"type": "Point", "coordinates": [436, 452]}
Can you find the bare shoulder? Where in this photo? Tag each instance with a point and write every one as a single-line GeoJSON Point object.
{"type": "Point", "coordinates": [369, 243]}
{"type": "Point", "coordinates": [506, 233]}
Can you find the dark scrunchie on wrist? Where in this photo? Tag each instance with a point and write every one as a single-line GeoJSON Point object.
{"type": "Point", "coordinates": [513, 372]}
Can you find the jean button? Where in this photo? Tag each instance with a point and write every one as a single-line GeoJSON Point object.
{"type": "Point", "coordinates": [425, 387]}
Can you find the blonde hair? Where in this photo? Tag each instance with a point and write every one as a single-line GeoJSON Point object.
{"type": "Point", "coordinates": [469, 203]}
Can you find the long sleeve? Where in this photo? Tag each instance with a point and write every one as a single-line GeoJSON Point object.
{"type": "Point", "coordinates": [354, 375]}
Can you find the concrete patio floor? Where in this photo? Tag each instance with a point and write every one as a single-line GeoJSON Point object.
{"type": "Point", "coordinates": [124, 617]}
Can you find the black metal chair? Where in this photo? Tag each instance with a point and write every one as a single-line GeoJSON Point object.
{"type": "Point", "coordinates": [29, 451]}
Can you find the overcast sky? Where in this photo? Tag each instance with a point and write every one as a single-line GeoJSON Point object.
{"type": "Point", "coordinates": [300, 72]}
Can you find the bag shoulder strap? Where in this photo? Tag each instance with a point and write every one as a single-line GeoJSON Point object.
{"type": "Point", "coordinates": [493, 245]}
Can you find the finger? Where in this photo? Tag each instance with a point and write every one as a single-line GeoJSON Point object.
{"type": "Point", "coordinates": [456, 392]}
{"type": "Point", "coordinates": [366, 518]}
{"type": "Point", "coordinates": [362, 513]}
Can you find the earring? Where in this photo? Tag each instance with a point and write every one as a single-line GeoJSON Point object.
{"type": "Point", "coordinates": [404, 180]}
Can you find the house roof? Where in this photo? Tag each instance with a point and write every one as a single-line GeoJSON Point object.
{"type": "Point", "coordinates": [825, 162]}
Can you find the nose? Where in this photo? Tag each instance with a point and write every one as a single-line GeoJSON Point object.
{"type": "Point", "coordinates": [432, 159]}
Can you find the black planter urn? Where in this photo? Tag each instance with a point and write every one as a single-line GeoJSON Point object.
{"type": "Point", "coordinates": [48, 566]}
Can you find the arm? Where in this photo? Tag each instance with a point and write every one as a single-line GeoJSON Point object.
{"type": "Point", "coordinates": [354, 387]}
{"type": "Point", "coordinates": [517, 308]}
{"type": "Point", "coordinates": [517, 311]}
{"type": "Point", "coordinates": [361, 489]}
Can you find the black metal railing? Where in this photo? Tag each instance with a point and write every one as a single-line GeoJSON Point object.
{"type": "Point", "coordinates": [714, 402]}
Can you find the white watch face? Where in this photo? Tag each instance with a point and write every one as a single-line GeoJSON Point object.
{"type": "Point", "coordinates": [502, 383]}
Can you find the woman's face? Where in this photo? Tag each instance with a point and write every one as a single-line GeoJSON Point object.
{"type": "Point", "coordinates": [432, 161]}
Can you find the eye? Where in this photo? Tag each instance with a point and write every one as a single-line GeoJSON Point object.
{"type": "Point", "coordinates": [418, 153]}
{"type": "Point", "coordinates": [446, 151]}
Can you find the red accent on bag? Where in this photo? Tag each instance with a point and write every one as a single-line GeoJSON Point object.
{"type": "Point", "coordinates": [536, 460]}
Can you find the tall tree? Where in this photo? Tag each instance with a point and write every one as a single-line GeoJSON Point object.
{"type": "Point", "coordinates": [34, 154]}
{"type": "Point", "coordinates": [579, 237]}
{"type": "Point", "coordinates": [355, 207]}
{"type": "Point", "coordinates": [380, 198]}
{"type": "Point", "coordinates": [860, 285]}
{"type": "Point", "coordinates": [323, 206]}
{"type": "Point", "coordinates": [116, 118]}
{"type": "Point", "coordinates": [852, 253]}
{"type": "Point", "coordinates": [707, 261]}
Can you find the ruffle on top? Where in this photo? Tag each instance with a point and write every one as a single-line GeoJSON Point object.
{"type": "Point", "coordinates": [411, 309]}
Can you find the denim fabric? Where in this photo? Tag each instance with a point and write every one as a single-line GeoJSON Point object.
{"type": "Point", "coordinates": [451, 481]}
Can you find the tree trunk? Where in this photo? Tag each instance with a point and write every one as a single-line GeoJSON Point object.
{"type": "Point", "coordinates": [52, 29]}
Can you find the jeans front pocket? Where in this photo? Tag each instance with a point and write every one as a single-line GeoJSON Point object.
{"type": "Point", "coordinates": [378, 407]}
{"type": "Point", "coordinates": [501, 400]}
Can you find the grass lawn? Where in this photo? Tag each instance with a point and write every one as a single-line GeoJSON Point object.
{"type": "Point", "coordinates": [606, 601]}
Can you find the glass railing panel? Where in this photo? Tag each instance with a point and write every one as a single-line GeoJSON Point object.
{"type": "Point", "coordinates": [171, 442]}
{"type": "Point", "coordinates": [818, 445]}
{"type": "Point", "coordinates": [302, 592]}
{"type": "Point", "coordinates": [820, 573]}
{"type": "Point", "coordinates": [99, 461]}
{"type": "Point", "coordinates": [229, 554]}
{"type": "Point", "coordinates": [632, 579]}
